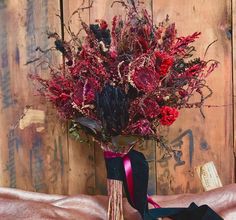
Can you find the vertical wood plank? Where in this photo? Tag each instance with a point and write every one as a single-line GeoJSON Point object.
{"type": "Point", "coordinates": [209, 139]}
{"type": "Point", "coordinates": [33, 147]}
{"type": "Point", "coordinates": [233, 29]}
{"type": "Point", "coordinates": [81, 155]}
{"type": "Point", "coordinates": [102, 10]}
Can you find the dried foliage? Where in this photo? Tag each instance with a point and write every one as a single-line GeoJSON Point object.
{"type": "Point", "coordinates": [128, 79]}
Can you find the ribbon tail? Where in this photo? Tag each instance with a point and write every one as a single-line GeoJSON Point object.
{"type": "Point", "coordinates": [152, 202]}
{"type": "Point", "coordinates": [136, 182]}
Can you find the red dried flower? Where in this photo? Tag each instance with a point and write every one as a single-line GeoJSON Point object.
{"type": "Point", "coordinates": [182, 43]}
{"type": "Point", "coordinates": [183, 93]}
{"type": "Point", "coordinates": [150, 108]}
{"type": "Point", "coordinates": [169, 37]}
{"type": "Point", "coordinates": [103, 25]}
{"type": "Point", "coordinates": [141, 127]}
{"type": "Point", "coordinates": [147, 30]}
{"type": "Point", "coordinates": [78, 93]}
{"type": "Point", "coordinates": [145, 79]}
{"type": "Point", "coordinates": [113, 53]}
{"type": "Point", "coordinates": [143, 43]}
{"type": "Point", "coordinates": [84, 93]}
{"type": "Point", "coordinates": [194, 71]}
{"type": "Point", "coordinates": [59, 89]}
{"type": "Point", "coordinates": [163, 62]}
{"type": "Point", "coordinates": [88, 68]}
{"type": "Point", "coordinates": [91, 86]}
{"type": "Point", "coordinates": [149, 63]}
{"type": "Point", "coordinates": [168, 115]}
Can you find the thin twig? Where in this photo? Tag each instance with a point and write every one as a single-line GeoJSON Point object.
{"type": "Point", "coordinates": [209, 47]}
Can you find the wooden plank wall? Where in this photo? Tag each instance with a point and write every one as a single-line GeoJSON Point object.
{"type": "Point", "coordinates": [36, 153]}
{"type": "Point", "coordinates": [234, 74]}
{"type": "Point", "coordinates": [81, 163]}
{"type": "Point", "coordinates": [209, 139]}
{"type": "Point", "coordinates": [33, 144]}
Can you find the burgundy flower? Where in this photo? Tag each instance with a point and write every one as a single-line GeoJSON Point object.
{"type": "Point", "coordinates": [145, 79]}
{"type": "Point", "coordinates": [103, 25]}
{"type": "Point", "coordinates": [183, 93]}
{"type": "Point", "coordinates": [59, 89]}
{"type": "Point", "coordinates": [113, 53]}
{"type": "Point", "coordinates": [141, 127]}
{"type": "Point", "coordinates": [78, 93]}
{"type": "Point", "coordinates": [193, 71]}
{"type": "Point", "coordinates": [143, 43]}
{"type": "Point", "coordinates": [150, 108]}
{"type": "Point", "coordinates": [90, 88]}
{"type": "Point", "coordinates": [163, 63]}
{"type": "Point", "coordinates": [62, 104]}
{"type": "Point", "coordinates": [84, 93]}
{"type": "Point", "coordinates": [147, 30]}
{"type": "Point", "coordinates": [81, 67]}
{"type": "Point", "coordinates": [88, 68]}
{"type": "Point", "coordinates": [168, 115]}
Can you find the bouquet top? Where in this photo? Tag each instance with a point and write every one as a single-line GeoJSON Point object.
{"type": "Point", "coordinates": [127, 76]}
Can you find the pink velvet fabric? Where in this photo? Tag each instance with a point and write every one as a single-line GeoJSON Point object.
{"type": "Point", "coordinates": [18, 204]}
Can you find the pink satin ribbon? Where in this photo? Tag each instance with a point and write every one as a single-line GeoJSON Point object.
{"type": "Point", "coordinates": [129, 175]}
{"type": "Point", "coordinates": [152, 202]}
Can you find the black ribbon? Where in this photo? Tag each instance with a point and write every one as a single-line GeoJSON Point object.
{"type": "Point", "coordinates": [140, 170]}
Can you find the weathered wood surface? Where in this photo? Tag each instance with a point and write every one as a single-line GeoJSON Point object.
{"type": "Point", "coordinates": [209, 139]}
{"type": "Point", "coordinates": [233, 29]}
{"type": "Point", "coordinates": [81, 163]}
{"type": "Point", "coordinates": [33, 146]}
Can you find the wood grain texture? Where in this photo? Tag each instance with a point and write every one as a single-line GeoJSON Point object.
{"type": "Point", "coordinates": [33, 158]}
{"type": "Point", "coordinates": [209, 139]}
{"type": "Point", "coordinates": [233, 30]}
{"type": "Point", "coordinates": [81, 155]}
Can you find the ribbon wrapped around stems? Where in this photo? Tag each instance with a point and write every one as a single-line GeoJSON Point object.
{"type": "Point", "coordinates": [132, 169]}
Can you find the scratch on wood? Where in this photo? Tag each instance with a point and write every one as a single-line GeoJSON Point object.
{"type": "Point", "coordinates": [56, 165]}
{"type": "Point", "coordinates": [61, 155]}
{"type": "Point", "coordinates": [37, 164]}
{"type": "Point", "coordinates": [17, 55]}
{"type": "Point", "coordinates": [13, 143]}
{"type": "Point", "coordinates": [163, 183]}
{"type": "Point", "coordinates": [45, 29]}
{"type": "Point", "coordinates": [178, 142]}
{"type": "Point", "coordinates": [5, 81]}
{"type": "Point", "coordinates": [165, 178]}
{"type": "Point", "coordinates": [30, 30]}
